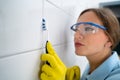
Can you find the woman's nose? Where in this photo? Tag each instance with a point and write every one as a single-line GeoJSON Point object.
{"type": "Point", "coordinates": [78, 35]}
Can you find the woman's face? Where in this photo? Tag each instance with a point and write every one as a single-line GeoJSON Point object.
{"type": "Point", "coordinates": [90, 44]}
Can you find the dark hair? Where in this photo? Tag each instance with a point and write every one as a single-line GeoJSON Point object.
{"type": "Point", "coordinates": [110, 21]}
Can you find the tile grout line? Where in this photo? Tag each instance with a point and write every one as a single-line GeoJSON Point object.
{"type": "Point", "coordinates": [59, 8]}
{"type": "Point", "coordinates": [25, 52]}
{"type": "Point", "coordinates": [19, 53]}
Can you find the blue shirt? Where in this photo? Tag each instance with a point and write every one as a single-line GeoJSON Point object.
{"type": "Point", "coordinates": [108, 70]}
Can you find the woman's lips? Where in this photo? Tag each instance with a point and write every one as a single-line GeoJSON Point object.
{"type": "Point", "coordinates": [77, 44]}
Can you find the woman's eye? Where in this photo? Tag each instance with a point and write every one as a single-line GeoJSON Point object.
{"type": "Point", "coordinates": [89, 29]}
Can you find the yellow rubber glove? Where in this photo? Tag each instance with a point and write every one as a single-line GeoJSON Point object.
{"type": "Point", "coordinates": [54, 68]}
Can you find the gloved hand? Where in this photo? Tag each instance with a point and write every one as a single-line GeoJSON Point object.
{"type": "Point", "coordinates": [54, 68]}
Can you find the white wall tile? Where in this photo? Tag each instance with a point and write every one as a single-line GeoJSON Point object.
{"type": "Point", "coordinates": [20, 26]}
{"type": "Point", "coordinates": [58, 23]}
{"type": "Point", "coordinates": [20, 67]}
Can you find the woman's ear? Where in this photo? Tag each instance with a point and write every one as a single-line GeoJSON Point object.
{"type": "Point", "coordinates": [108, 44]}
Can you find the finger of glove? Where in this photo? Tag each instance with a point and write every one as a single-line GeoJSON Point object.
{"type": "Point", "coordinates": [73, 73]}
{"type": "Point", "coordinates": [76, 72]}
{"type": "Point", "coordinates": [52, 52]}
{"type": "Point", "coordinates": [44, 76]}
{"type": "Point", "coordinates": [48, 70]}
{"type": "Point", "coordinates": [50, 49]}
{"type": "Point", "coordinates": [50, 59]}
{"type": "Point", "coordinates": [70, 74]}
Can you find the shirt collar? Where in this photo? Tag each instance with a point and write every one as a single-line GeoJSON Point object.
{"type": "Point", "coordinates": [105, 68]}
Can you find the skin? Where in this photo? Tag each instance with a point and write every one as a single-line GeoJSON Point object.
{"type": "Point", "coordinates": [96, 47]}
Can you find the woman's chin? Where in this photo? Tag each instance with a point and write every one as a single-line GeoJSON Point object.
{"type": "Point", "coordinates": [79, 53]}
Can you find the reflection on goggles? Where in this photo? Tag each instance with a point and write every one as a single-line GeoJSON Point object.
{"type": "Point", "coordinates": [87, 27]}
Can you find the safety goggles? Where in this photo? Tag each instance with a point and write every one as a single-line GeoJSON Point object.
{"type": "Point", "coordinates": [87, 27]}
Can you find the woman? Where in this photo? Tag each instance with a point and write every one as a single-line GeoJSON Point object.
{"type": "Point", "coordinates": [95, 38]}
{"type": "Point", "coordinates": [97, 32]}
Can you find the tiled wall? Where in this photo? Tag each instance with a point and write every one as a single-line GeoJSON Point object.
{"type": "Point", "coordinates": [22, 38]}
